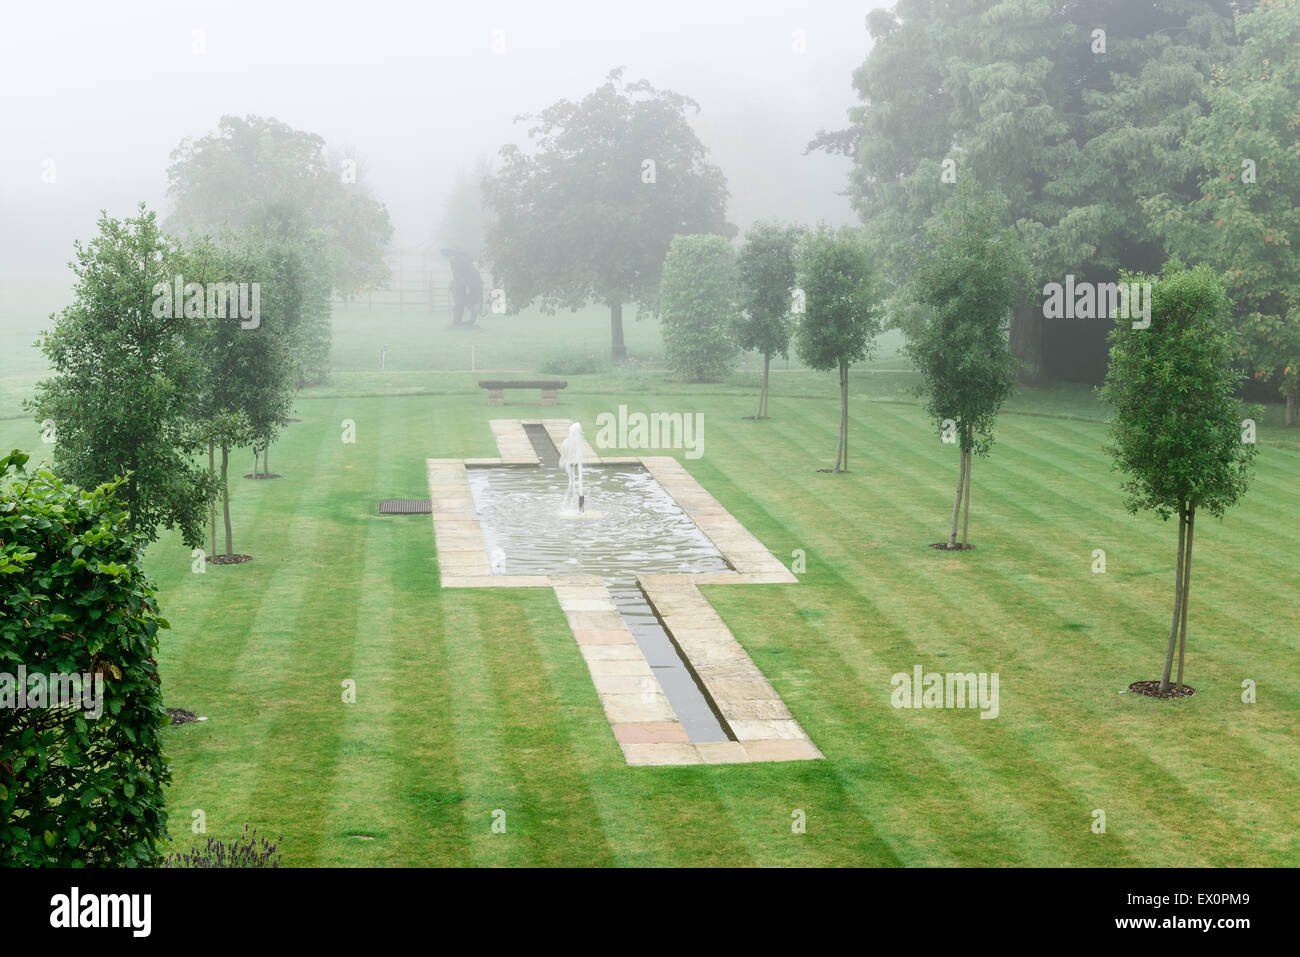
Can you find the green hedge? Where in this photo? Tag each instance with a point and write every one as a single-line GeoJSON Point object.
{"type": "Point", "coordinates": [697, 299]}
{"type": "Point", "coordinates": [76, 789]}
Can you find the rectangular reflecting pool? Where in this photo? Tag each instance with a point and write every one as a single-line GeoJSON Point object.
{"type": "Point", "coordinates": [630, 526]}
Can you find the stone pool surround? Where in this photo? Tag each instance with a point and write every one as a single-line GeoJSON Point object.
{"type": "Point", "coordinates": [644, 723]}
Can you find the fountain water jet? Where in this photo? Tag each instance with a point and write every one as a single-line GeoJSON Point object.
{"type": "Point", "coordinates": [572, 451]}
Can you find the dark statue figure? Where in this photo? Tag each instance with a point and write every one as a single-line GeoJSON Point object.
{"type": "Point", "coordinates": [466, 288]}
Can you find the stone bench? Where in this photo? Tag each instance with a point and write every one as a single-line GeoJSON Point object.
{"type": "Point", "coordinates": [496, 388]}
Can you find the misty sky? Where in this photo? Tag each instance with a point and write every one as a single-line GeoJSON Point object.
{"type": "Point", "coordinates": [107, 91]}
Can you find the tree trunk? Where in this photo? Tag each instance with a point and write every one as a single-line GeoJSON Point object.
{"type": "Point", "coordinates": [762, 396]}
{"type": "Point", "coordinates": [1292, 399]}
{"type": "Point", "coordinates": [212, 505]}
{"type": "Point", "coordinates": [1178, 600]}
{"type": "Point", "coordinates": [256, 456]}
{"type": "Point", "coordinates": [839, 445]}
{"type": "Point", "coordinates": [965, 505]}
{"type": "Point", "coordinates": [1187, 588]}
{"type": "Point", "coordinates": [617, 349]}
{"type": "Point", "coordinates": [844, 419]}
{"type": "Point", "coordinates": [956, 502]}
{"type": "Point", "coordinates": [225, 496]}
{"type": "Point", "coordinates": [1027, 342]}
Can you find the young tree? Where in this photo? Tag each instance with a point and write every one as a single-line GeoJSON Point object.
{"type": "Point", "coordinates": [974, 275]}
{"type": "Point", "coordinates": [81, 781]}
{"type": "Point", "coordinates": [1177, 430]}
{"type": "Point", "coordinates": [249, 369]}
{"type": "Point", "coordinates": [841, 318]}
{"type": "Point", "coordinates": [766, 268]}
{"type": "Point", "coordinates": [258, 171]}
{"type": "Point", "coordinates": [697, 306]}
{"type": "Point", "coordinates": [589, 215]}
{"type": "Point", "coordinates": [127, 380]}
{"type": "Point", "coordinates": [1244, 220]}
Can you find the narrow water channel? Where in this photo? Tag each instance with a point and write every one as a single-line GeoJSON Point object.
{"type": "Point", "coordinates": [632, 526]}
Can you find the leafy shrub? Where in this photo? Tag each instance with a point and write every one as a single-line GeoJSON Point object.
{"type": "Point", "coordinates": [697, 307]}
{"type": "Point", "coordinates": [247, 850]}
{"type": "Point", "coordinates": [574, 362]}
{"type": "Point", "coordinates": [76, 788]}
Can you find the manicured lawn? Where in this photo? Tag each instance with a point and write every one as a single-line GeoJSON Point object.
{"type": "Point", "coordinates": [470, 701]}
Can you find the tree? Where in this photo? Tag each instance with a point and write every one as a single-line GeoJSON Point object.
{"type": "Point", "coordinates": [258, 171]}
{"type": "Point", "coordinates": [81, 777]}
{"type": "Point", "coordinates": [250, 369]}
{"type": "Point", "coordinates": [841, 318]}
{"type": "Point", "coordinates": [976, 272]}
{"type": "Point", "coordinates": [766, 268]}
{"type": "Point", "coordinates": [697, 306]}
{"type": "Point", "coordinates": [1177, 430]}
{"type": "Point", "coordinates": [1244, 219]}
{"type": "Point", "coordinates": [588, 216]}
{"type": "Point", "coordinates": [1071, 125]}
{"type": "Point", "coordinates": [127, 379]}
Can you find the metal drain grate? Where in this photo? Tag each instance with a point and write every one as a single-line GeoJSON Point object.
{"type": "Point", "coordinates": [405, 506]}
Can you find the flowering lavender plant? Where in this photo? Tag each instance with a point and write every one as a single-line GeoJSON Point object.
{"type": "Point", "coordinates": [246, 851]}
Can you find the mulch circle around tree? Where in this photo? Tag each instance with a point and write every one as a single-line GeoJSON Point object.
{"type": "Point", "coordinates": [945, 547]}
{"type": "Point", "coordinates": [1152, 690]}
{"type": "Point", "coordinates": [181, 716]}
{"type": "Point", "coordinates": [229, 559]}
{"type": "Point", "coordinates": [293, 420]}
{"type": "Point", "coordinates": [271, 476]}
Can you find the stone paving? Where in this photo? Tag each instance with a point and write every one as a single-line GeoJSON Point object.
{"type": "Point", "coordinates": [643, 721]}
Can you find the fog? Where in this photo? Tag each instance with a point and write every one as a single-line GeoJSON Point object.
{"type": "Point", "coordinates": [95, 96]}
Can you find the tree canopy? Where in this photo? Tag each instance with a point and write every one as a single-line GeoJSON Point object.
{"type": "Point", "coordinates": [1177, 431]}
{"type": "Point", "coordinates": [258, 171]}
{"type": "Point", "coordinates": [842, 316]}
{"type": "Point", "coordinates": [587, 216]}
{"type": "Point", "coordinates": [974, 274]}
{"type": "Point", "coordinates": [1244, 220]}
{"type": "Point", "coordinates": [766, 269]}
{"type": "Point", "coordinates": [1073, 111]}
{"type": "Point", "coordinates": [127, 378]}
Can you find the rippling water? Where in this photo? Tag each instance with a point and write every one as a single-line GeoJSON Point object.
{"type": "Point", "coordinates": [632, 524]}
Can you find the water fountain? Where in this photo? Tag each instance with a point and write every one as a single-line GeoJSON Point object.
{"type": "Point", "coordinates": [572, 451]}
{"type": "Point", "coordinates": [676, 685]}
{"type": "Point", "coordinates": [638, 529]}
{"type": "Point", "coordinates": [571, 454]}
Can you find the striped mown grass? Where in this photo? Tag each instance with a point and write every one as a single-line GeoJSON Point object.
{"type": "Point", "coordinates": [476, 701]}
